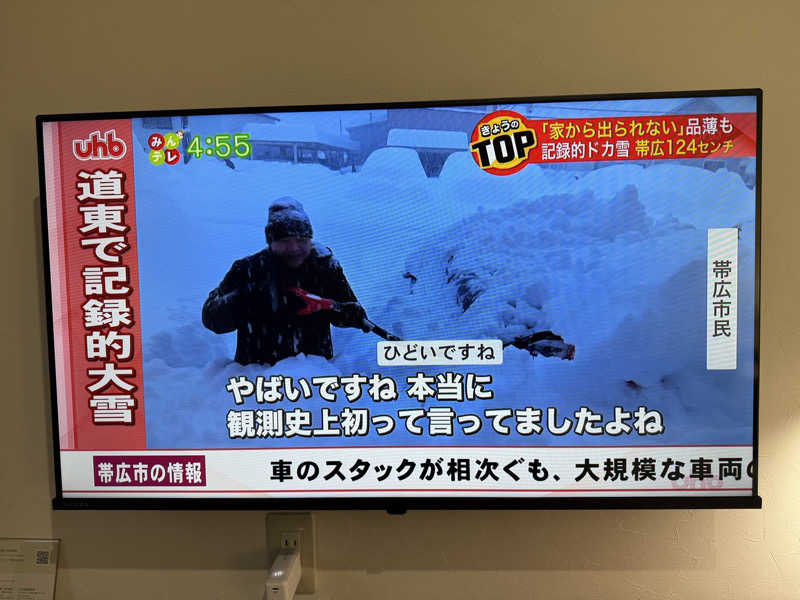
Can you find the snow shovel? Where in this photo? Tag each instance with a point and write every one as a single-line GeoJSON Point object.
{"type": "Point", "coordinates": [544, 343]}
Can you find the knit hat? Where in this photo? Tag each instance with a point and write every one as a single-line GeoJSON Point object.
{"type": "Point", "coordinates": [287, 219]}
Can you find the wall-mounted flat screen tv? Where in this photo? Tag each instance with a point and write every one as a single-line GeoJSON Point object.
{"type": "Point", "coordinates": [528, 302]}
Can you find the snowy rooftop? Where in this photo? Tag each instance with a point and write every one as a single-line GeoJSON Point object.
{"type": "Point", "coordinates": [427, 138]}
{"type": "Point", "coordinates": [296, 133]}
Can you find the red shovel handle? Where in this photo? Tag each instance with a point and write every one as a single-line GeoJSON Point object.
{"type": "Point", "coordinates": [313, 303]}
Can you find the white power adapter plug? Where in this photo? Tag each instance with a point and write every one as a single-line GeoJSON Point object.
{"type": "Point", "coordinates": [284, 575]}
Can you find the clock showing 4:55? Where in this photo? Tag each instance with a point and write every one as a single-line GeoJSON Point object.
{"type": "Point", "coordinates": [223, 145]}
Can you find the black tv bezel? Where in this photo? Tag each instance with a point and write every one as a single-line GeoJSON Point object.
{"type": "Point", "coordinates": [400, 504]}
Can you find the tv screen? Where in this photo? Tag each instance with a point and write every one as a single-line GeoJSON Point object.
{"type": "Point", "coordinates": [530, 302]}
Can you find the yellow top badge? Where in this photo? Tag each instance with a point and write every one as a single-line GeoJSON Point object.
{"type": "Point", "coordinates": [501, 142]}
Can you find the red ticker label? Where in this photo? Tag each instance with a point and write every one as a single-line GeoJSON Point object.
{"type": "Point", "coordinates": [503, 142]}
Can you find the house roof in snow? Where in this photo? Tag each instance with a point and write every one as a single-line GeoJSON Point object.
{"type": "Point", "coordinates": [428, 138]}
{"type": "Point", "coordinates": [295, 133]}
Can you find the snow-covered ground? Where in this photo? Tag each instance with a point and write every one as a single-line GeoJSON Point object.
{"type": "Point", "coordinates": [612, 259]}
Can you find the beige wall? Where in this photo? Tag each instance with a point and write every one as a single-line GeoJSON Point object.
{"type": "Point", "coordinates": [94, 56]}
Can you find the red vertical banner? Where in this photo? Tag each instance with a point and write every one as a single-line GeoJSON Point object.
{"type": "Point", "coordinates": [55, 228]}
{"type": "Point", "coordinates": [100, 285]}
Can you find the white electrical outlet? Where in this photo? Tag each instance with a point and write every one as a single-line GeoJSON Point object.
{"type": "Point", "coordinates": [290, 540]}
{"type": "Point", "coordinates": [286, 531]}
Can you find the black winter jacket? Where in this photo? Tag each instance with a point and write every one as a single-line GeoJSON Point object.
{"type": "Point", "coordinates": [253, 300]}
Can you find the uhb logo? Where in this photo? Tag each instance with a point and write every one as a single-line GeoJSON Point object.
{"type": "Point", "coordinates": [501, 142]}
{"type": "Point", "coordinates": [96, 148]}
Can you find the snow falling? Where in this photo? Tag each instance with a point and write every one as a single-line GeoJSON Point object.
{"type": "Point", "coordinates": [611, 259]}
